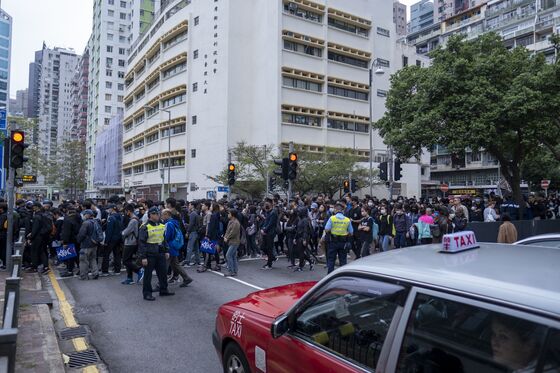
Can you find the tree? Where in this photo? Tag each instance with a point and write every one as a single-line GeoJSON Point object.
{"type": "Point", "coordinates": [72, 167]}
{"type": "Point", "coordinates": [322, 173]}
{"type": "Point", "coordinates": [476, 94]}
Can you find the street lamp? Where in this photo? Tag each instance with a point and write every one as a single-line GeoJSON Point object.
{"type": "Point", "coordinates": [147, 107]}
{"type": "Point", "coordinates": [378, 71]}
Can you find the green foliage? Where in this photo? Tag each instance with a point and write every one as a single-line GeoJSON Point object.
{"type": "Point", "coordinates": [476, 94]}
{"type": "Point", "coordinates": [72, 166]}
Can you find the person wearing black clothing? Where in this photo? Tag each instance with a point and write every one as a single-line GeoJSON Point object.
{"type": "Point", "coordinates": [25, 216]}
{"type": "Point", "coordinates": [290, 231]}
{"type": "Point", "coordinates": [268, 232]}
{"type": "Point", "coordinates": [355, 215]}
{"type": "Point", "coordinates": [302, 240]}
{"type": "Point", "coordinates": [40, 231]}
{"type": "Point", "coordinates": [251, 231]}
{"type": "Point", "coordinates": [213, 234]}
{"type": "Point", "coordinates": [68, 235]}
{"type": "Point", "coordinates": [364, 231]}
{"type": "Point", "coordinates": [113, 242]}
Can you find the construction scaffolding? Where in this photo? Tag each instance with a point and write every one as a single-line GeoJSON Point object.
{"type": "Point", "coordinates": [108, 155]}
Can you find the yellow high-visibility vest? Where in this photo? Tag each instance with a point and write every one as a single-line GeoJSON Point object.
{"type": "Point", "coordinates": [339, 226]}
{"type": "Point", "coordinates": [155, 233]}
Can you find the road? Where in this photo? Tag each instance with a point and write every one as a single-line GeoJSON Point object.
{"type": "Point", "coordinates": [172, 334]}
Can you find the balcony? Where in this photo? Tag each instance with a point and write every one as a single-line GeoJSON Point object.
{"type": "Point", "coordinates": [512, 4]}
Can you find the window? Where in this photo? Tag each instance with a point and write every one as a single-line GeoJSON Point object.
{"type": "Point", "coordinates": [110, 48]}
{"type": "Point", "coordinates": [195, 54]}
{"type": "Point", "coordinates": [108, 109]}
{"type": "Point", "coordinates": [193, 153]}
{"type": "Point", "coordinates": [174, 70]}
{"type": "Point", "coordinates": [123, 4]}
{"type": "Point", "coordinates": [153, 83]}
{"type": "Point", "coordinates": [293, 9]}
{"type": "Point", "coordinates": [347, 126]}
{"type": "Point", "coordinates": [348, 27]}
{"type": "Point", "coordinates": [196, 20]}
{"type": "Point", "coordinates": [122, 51]}
{"type": "Point", "coordinates": [418, 63]}
{"type": "Point", "coordinates": [333, 56]}
{"type": "Point", "coordinates": [174, 40]}
{"type": "Point", "coordinates": [383, 63]}
{"type": "Point", "coordinates": [140, 119]}
{"type": "Point", "coordinates": [120, 98]}
{"type": "Point", "coordinates": [381, 93]}
{"type": "Point", "coordinates": [108, 97]}
{"type": "Point", "coordinates": [108, 85]}
{"type": "Point", "coordinates": [120, 86]}
{"type": "Point", "coordinates": [404, 61]}
{"type": "Point", "coordinates": [110, 36]}
{"type": "Point", "coordinates": [152, 166]}
{"type": "Point", "coordinates": [111, 2]}
{"type": "Point", "coordinates": [351, 316]}
{"type": "Point", "coordinates": [109, 72]}
{"type": "Point", "coordinates": [110, 13]}
{"type": "Point", "coordinates": [121, 63]}
{"type": "Point", "coordinates": [348, 93]}
{"type": "Point", "coordinates": [458, 337]}
{"type": "Point", "coordinates": [122, 15]}
{"type": "Point", "coordinates": [121, 74]}
{"type": "Point", "coordinates": [128, 148]}
{"type": "Point", "coordinates": [174, 130]}
{"type": "Point", "coordinates": [383, 31]}
{"type": "Point", "coordinates": [152, 110]}
{"type": "Point", "coordinates": [127, 171]}
{"type": "Point", "coordinates": [303, 119]}
{"type": "Point", "coordinates": [302, 84]}
{"type": "Point", "coordinates": [139, 144]}
{"type": "Point", "coordinates": [139, 169]}
{"type": "Point", "coordinates": [175, 162]}
{"type": "Point", "coordinates": [153, 137]}
{"type": "Point", "coordinates": [128, 127]}
{"type": "Point", "coordinates": [174, 100]}
{"type": "Point", "coordinates": [302, 48]}
{"type": "Point", "coordinates": [109, 61]}
{"type": "Point", "coordinates": [195, 87]}
{"type": "Point", "coordinates": [194, 119]}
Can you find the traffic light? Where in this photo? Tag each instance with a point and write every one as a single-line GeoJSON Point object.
{"type": "Point", "coordinates": [231, 174]}
{"type": "Point", "coordinates": [284, 164]}
{"type": "Point", "coordinates": [398, 170]}
{"type": "Point", "coordinates": [383, 171]}
{"type": "Point", "coordinates": [292, 168]}
{"type": "Point", "coordinates": [17, 146]}
{"type": "Point", "coordinates": [271, 183]}
{"type": "Point", "coordinates": [353, 185]}
{"type": "Point", "coordinates": [346, 185]}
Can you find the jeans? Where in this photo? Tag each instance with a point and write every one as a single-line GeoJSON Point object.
{"type": "Point", "coordinates": [385, 242]}
{"type": "Point", "coordinates": [158, 263]}
{"type": "Point", "coordinates": [400, 240]}
{"type": "Point", "coordinates": [116, 249]}
{"type": "Point", "coordinates": [129, 261]}
{"type": "Point", "coordinates": [231, 258]}
{"type": "Point", "coordinates": [366, 246]}
{"type": "Point", "coordinates": [336, 249]}
{"type": "Point", "coordinates": [88, 261]}
{"type": "Point", "coordinates": [192, 249]}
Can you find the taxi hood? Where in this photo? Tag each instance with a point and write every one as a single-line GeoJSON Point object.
{"type": "Point", "coordinates": [274, 301]}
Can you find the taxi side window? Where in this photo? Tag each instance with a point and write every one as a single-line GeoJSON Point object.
{"type": "Point", "coordinates": [447, 336]}
{"type": "Point", "coordinates": [351, 317]}
{"type": "Point", "coordinates": [551, 360]}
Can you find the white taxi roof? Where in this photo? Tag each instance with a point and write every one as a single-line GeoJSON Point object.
{"type": "Point", "coordinates": [528, 276]}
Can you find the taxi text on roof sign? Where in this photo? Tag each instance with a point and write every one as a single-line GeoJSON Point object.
{"type": "Point", "coordinates": [461, 241]}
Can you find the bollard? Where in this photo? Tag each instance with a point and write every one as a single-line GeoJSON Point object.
{"type": "Point", "coordinates": [12, 288]}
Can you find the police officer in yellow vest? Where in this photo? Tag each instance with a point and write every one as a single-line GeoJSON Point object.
{"type": "Point", "coordinates": [338, 232]}
{"type": "Point", "coordinates": [152, 251]}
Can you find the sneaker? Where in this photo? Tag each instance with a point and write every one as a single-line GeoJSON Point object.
{"type": "Point", "coordinates": [140, 276]}
{"type": "Point", "coordinates": [128, 281]}
{"type": "Point", "coordinates": [45, 271]}
{"type": "Point", "coordinates": [173, 280]}
{"type": "Point", "coordinates": [265, 267]}
{"type": "Point", "coordinates": [188, 265]}
{"type": "Point", "coordinates": [104, 274]}
{"type": "Point", "coordinates": [298, 269]}
{"type": "Point", "coordinates": [217, 268]}
{"type": "Point", "coordinates": [312, 265]}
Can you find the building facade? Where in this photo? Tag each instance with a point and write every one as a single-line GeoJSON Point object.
{"type": "Point", "coordinates": [33, 85]}
{"type": "Point", "coordinates": [141, 17]}
{"type": "Point", "coordinates": [201, 81]}
{"type": "Point", "coordinates": [107, 47]}
{"type": "Point", "coordinates": [58, 67]}
{"type": "Point", "coordinates": [18, 106]}
{"type": "Point", "coordinates": [399, 17]}
{"type": "Point", "coordinates": [80, 99]}
{"type": "Point", "coordinates": [5, 58]}
{"type": "Point", "coordinates": [421, 15]}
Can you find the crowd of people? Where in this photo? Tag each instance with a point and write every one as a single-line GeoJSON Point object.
{"type": "Point", "coordinates": [168, 236]}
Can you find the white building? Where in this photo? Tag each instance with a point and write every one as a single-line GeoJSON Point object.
{"type": "Point", "coordinates": [266, 72]}
{"type": "Point", "coordinates": [108, 47]}
{"type": "Point", "coordinates": [5, 57]}
{"type": "Point", "coordinates": [58, 67]}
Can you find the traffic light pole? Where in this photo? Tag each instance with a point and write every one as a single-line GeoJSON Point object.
{"type": "Point", "coordinates": [229, 187]}
{"type": "Point", "coordinates": [10, 233]}
{"type": "Point", "coordinates": [290, 182]}
{"type": "Point", "coordinates": [391, 170]}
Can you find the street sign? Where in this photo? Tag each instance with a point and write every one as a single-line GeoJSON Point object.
{"type": "Point", "coordinates": [545, 184]}
{"type": "Point", "coordinates": [210, 194]}
{"type": "Point", "coordinates": [3, 121]}
{"type": "Point", "coordinates": [444, 188]}
{"type": "Point", "coordinates": [29, 178]}
{"type": "Point", "coordinates": [223, 189]}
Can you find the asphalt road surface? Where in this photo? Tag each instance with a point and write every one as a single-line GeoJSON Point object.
{"type": "Point", "coordinates": [172, 334]}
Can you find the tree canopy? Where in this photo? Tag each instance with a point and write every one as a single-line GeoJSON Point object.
{"type": "Point", "coordinates": [476, 94]}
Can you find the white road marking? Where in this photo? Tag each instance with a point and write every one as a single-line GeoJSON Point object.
{"type": "Point", "coordinates": [236, 280]}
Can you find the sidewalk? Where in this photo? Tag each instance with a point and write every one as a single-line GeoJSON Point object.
{"type": "Point", "coordinates": [37, 345]}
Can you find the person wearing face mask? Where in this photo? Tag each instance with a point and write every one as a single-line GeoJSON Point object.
{"type": "Point", "coordinates": [385, 229]}
{"type": "Point", "coordinates": [338, 231]}
{"type": "Point", "coordinates": [364, 231]}
{"type": "Point", "coordinates": [402, 225]}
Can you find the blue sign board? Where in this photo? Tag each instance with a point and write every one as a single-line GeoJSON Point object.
{"type": "Point", "coordinates": [3, 121]}
{"type": "Point", "coordinates": [3, 127]}
{"type": "Point", "coordinates": [223, 189]}
{"type": "Point", "coordinates": [210, 194]}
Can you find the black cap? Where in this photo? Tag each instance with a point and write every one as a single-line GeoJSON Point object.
{"type": "Point", "coordinates": [153, 210]}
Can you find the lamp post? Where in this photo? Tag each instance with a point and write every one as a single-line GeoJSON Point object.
{"type": "Point", "coordinates": [168, 153]}
{"type": "Point", "coordinates": [378, 71]}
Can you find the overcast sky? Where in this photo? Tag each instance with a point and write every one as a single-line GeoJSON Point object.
{"type": "Point", "coordinates": [60, 23]}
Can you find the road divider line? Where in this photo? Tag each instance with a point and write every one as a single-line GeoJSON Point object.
{"type": "Point", "coordinates": [80, 344]}
{"type": "Point", "coordinates": [237, 280]}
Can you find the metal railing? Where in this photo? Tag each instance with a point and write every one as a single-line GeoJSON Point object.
{"type": "Point", "coordinates": [9, 330]}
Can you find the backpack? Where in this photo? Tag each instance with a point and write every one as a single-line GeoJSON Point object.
{"type": "Point", "coordinates": [97, 232]}
{"type": "Point", "coordinates": [47, 226]}
{"type": "Point", "coordinates": [178, 240]}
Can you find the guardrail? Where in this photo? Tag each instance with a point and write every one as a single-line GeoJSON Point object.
{"type": "Point", "coordinates": [9, 330]}
{"type": "Point", "coordinates": [488, 232]}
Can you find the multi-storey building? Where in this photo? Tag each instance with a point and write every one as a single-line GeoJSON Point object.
{"type": "Point", "coordinates": [107, 47]}
{"type": "Point", "coordinates": [58, 67]}
{"type": "Point", "coordinates": [80, 98]}
{"type": "Point", "coordinates": [421, 15]}
{"type": "Point", "coordinates": [18, 106]}
{"type": "Point", "coordinates": [5, 57]}
{"type": "Point", "coordinates": [141, 18]}
{"type": "Point", "coordinates": [202, 80]}
{"type": "Point", "coordinates": [399, 17]}
{"type": "Point", "coordinates": [33, 86]}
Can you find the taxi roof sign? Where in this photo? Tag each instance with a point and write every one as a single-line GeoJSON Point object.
{"type": "Point", "coordinates": [460, 241]}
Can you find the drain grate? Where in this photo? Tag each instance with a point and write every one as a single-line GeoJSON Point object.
{"type": "Point", "coordinates": [70, 333]}
{"type": "Point", "coordinates": [82, 359]}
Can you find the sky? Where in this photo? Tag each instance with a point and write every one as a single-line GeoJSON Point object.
{"type": "Point", "coordinates": [60, 23]}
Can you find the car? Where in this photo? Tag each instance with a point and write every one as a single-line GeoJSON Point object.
{"type": "Point", "coordinates": [550, 240]}
{"type": "Point", "coordinates": [460, 306]}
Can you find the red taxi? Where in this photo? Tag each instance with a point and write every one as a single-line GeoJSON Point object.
{"type": "Point", "coordinates": [456, 307]}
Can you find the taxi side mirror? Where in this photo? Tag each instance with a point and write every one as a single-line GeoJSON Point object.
{"type": "Point", "coordinates": [279, 327]}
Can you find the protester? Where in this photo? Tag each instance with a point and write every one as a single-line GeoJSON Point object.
{"type": "Point", "coordinates": [507, 232]}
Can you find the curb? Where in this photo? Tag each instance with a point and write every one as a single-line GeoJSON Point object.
{"type": "Point", "coordinates": [50, 343]}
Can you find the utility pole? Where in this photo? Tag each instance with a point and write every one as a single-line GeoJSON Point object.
{"type": "Point", "coordinates": [267, 174]}
{"type": "Point", "coordinates": [350, 181]}
{"type": "Point", "coordinates": [391, 171]}
{"type": "Point", "coordinates": [290, 182]}
{"type": "Point", "coordinates": [229, 187]}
